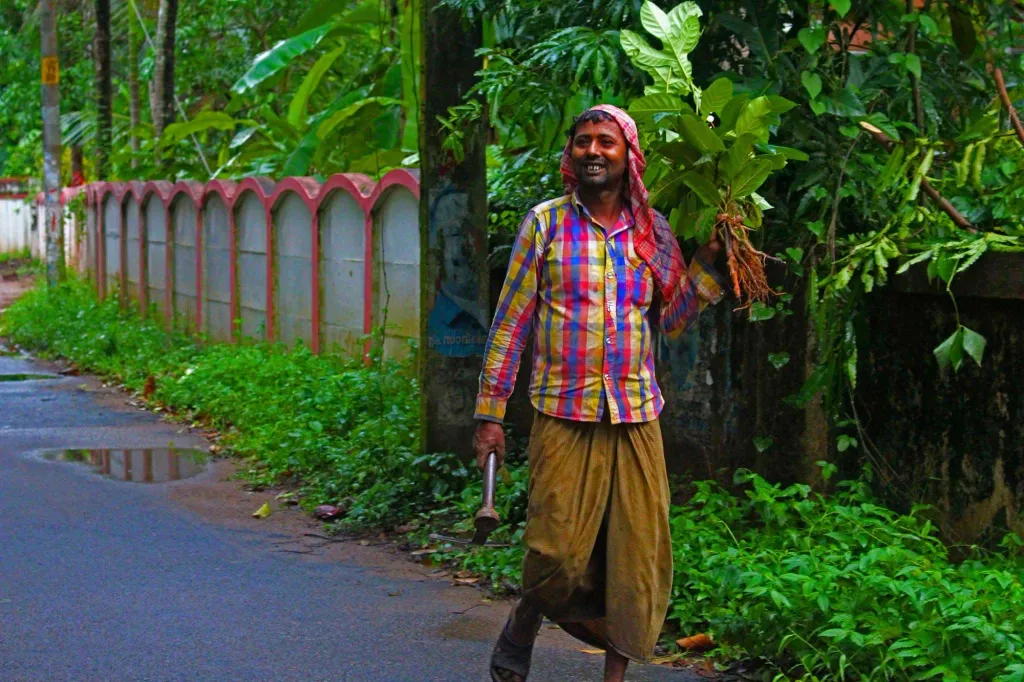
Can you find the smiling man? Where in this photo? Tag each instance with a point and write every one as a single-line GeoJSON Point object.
{"type": "Point", "coordinates": [592, 274]}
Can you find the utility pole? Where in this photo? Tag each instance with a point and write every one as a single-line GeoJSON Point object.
{"type": "Point", "coordinates": [51, 143]}
{"type": "Point", "coordinates": [455, 305]}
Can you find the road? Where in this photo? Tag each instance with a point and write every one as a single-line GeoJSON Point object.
{"type": "Point", "coordinates": [102, 579]}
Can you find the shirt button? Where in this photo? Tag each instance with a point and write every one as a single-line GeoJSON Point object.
{"type": "Point", "coordinates": [609, 275]}
{"type": "Point", "coordinates": [607, 377]}
{"type": "Point", "coordinates": [608, 340]}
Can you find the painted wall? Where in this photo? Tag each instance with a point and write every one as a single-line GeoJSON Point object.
{"type": "Point", "coordinates": [16, 223]}
{"type": "Point", "coordinates": [297, 261]}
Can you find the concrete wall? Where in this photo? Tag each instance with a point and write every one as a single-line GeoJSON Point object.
{"type": "Point", "coordinates": [16, 225]}
{"type": "Point", "coordinates": [954, 440]}
{"type": "Point", "coordinates": [217, 285]}
{"type": "Point", "coordinates": [206, 257]}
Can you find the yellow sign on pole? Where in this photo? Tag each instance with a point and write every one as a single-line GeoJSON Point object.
{"type": "Point", "coordinates": [51, 71]}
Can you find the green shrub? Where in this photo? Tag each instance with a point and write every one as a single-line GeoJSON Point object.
{"type": "Point", "coordinates": [841, 588]}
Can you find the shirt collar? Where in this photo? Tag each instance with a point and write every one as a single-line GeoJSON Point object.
{"type": "Point", "coordinates": [624, 222]}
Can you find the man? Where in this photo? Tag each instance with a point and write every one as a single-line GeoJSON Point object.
{"type": "Point", "coordinates": [591, 273]}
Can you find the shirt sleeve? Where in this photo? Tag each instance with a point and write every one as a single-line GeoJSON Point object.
{"type": "Point", "coordinates": [513, 322]}
{"type": "Point", "coordinates": [701, 286]}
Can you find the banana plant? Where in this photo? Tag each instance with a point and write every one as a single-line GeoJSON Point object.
{"type": "Point", "coordinates": [708, 156]}
{"type": "Point", "coordinates": [368, 88]}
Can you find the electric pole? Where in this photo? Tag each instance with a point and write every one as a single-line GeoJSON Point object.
{"type": "Point", "coordinates": [51, 143]}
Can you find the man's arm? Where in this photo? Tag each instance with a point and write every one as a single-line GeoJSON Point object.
{"type": "Point", "coordinates": [512, 324]}
{"type": "Point", "coordinates": [700, 286]}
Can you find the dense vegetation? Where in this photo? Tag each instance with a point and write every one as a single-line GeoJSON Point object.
{"type": "Point", "coordinates": [825, 588]}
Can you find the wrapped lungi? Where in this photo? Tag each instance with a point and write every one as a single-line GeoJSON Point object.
{"type": "Point", "coordinates": [599, 552]}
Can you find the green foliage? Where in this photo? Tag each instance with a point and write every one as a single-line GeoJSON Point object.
{"type": "Point", "coordinates": [696, 172]}
{"type": "Point", "coordinates": [841, 588]}
{"type": "Point", "coordinates": [348, 431]}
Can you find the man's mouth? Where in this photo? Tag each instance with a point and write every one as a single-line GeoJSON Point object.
{"type": "Point", "coordinates": [592, 168]}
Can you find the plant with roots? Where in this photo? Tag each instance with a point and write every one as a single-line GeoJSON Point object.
{"type": "Point", "coordinates": [706, 159]}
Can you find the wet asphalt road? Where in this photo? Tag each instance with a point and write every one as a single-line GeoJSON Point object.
{"type": "Point", "coordinates": [108, 581]}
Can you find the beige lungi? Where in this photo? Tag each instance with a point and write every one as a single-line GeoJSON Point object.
{"type": "Point", "coordinates": [598, 547]}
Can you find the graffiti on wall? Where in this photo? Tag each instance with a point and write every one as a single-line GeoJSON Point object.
{"type": "Point", "coordinates": [457, 324]}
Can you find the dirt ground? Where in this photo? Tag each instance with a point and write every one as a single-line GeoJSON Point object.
{"type": "Point", "coordinates": [11, 285]}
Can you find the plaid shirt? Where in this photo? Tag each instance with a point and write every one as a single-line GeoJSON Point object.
{"type": "Point", "coordinates": [586, 294]}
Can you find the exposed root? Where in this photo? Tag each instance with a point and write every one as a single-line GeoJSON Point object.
{"type": "Point", "coordinates": [746, 263]}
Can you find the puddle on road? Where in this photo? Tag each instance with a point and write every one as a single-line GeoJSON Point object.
{"type": "Point", "coordinates": [152, 465]}
{"type": "Point", "coordinates": [27, 377]}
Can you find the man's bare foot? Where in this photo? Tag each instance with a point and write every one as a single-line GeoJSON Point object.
{"type": "Point", "coordinates": [615, 667]}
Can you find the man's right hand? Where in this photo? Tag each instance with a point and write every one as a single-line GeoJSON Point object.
{"type": "Point", "coordinates": [489, 437]}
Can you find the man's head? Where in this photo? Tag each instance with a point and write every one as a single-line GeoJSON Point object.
{"type": "Point", "coordinates": [599, 151]}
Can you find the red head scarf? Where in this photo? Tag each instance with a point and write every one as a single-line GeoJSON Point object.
{"type": "Point", "coordinates": [652, 237]}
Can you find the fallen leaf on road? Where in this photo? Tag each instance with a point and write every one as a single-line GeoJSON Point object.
{"type": "Point", "coordinates": [467, 581]}
{"type": "Point", "coordinates": [328, 512]}
{"type": "Point", "coordinates": [364, 543]}
{"type": "Point", "coordinates": [464, 574]}
{"type": "Point", "coordinates": [592, 651]}
{"type": "Point", "coordinates": [421, 552]}
{"type": "Point", "coordinates": [263, 512]}
{"type": "Point", "coordinates": [701, 642]}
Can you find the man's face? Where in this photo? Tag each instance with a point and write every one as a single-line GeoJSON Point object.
{"type": "Point", "coordinates": [599, 155]}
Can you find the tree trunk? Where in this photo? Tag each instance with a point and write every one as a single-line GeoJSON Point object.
{"type": "Point", "coordinates": [77, 166]}
{"type": "Point", "coordinates": [104, 89]}
{"type": "Point", "coordinates": [134, 104]}
{"type": "Point", "coordinates": [162, 99]}
{"type": "Point", "coordinates": [51, 141]}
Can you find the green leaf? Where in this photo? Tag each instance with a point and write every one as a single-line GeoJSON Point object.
{"type": "Point", "coordinates": [950, 353]}
{"type": "Point", "coordinates": [913, 261]}
{"type": "Point", "coordinates": [752, 118]}
{"type": "Point", "coordinates": [299, 103]}
{"type": "Point", "coordinates": [818, 108]}
{"type": "Point", "coordinates": [812, 38]}
{"type": "Point", "coordinates": [760, 312]}
{"type": "Point", "coordinates": [919, 175]}
{"type": "Point", "coordinates": [701, 136]}
{"type": "Point", "coordinates": [716, 96]}
{"type": "Point", "coordinates": [739, 154]}
{"type": "Point", "coordinates": [812, 83]}
{"type": "Point", "coordinates": [778, 360]}
{"type": "Point", "coordinates": [750, 177]}
{"type": "Point", "coordinates": [703, 188]}
{"type": "Point", "coordinates": [641, 53]}
{"type": "Point", "coordinates": [279, 57]}
{"type": "Point", "coordinates": [796, 254]}
{"type": "Point", "coordinates": [761, 202]}
{"type": "Point", "coordinates": [974, 344]}
{"type": "Point", "coordinates": [328, 126]}
{"type": "Point", "coordinates": [780, 104]}
{"type": "Point", "coordinates": [913, 64]}
{"type": "Point", "coordinates": [644, 109]}
{"type": "Point", "coordinates": [945, 266]}
{"type": "Point", "coordinates": [299, 160]}
{"type": "Point", "coordinates": [205, 120]}
{"type": "Point", "coordinates": [842, 7]}
{"type": "Point", "coordinates": [762, 443]}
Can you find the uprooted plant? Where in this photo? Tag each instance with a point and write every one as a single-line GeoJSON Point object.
{"type": "Point", "coordinates": [706, 160]}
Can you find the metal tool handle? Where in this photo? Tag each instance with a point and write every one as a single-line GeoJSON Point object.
{"type": "Point", "coordinates": [487, 518]}
{"type": "Point", "coordinates": [490, 475]}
